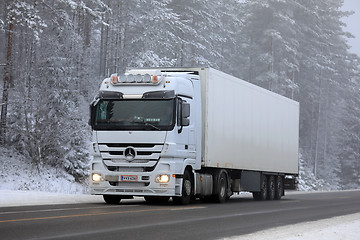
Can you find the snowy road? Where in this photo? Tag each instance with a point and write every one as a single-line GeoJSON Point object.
{"type": "Point", "coordinates": [92, 219]}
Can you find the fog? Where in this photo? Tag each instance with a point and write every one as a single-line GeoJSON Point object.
{"type": "Point", "coordinates": [55, 53]}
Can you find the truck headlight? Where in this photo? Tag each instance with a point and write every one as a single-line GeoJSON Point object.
{"type": "Point", "coordinates": [96, 177]}
{"type": "Point", "coordinates": [163, 178]}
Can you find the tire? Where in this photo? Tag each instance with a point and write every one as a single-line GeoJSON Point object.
{"type": "Point", "coordinates": [256, 196]}
{"type": "Point", "coordinates": [271, 188]}
{"type": "Point", "coordinates": [112, 199]}
{"type": "Point", "coordinates": [222, 183]}
{"type": "Point", "coordinates": [187, 190]}
{"type": "Point", "coordinates": [279, 188]}
{"type": "Point", "coordinates": [262, 195]}
{"type": "Point", "coordinates": [156, 200]}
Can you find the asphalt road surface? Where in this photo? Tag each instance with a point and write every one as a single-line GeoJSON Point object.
{"type": "Point", "coordinates": [134, 219]}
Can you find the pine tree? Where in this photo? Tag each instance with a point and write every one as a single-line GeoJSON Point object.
{"type": "Point", "coordinates": [154, 40]}
{"type": "Point", "coordinates": [57, 52]}
{"type": "Point", "coordinates": [273, 45]}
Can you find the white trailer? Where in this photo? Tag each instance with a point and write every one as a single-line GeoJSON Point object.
{"type": "Point", "coordinates": [190, 133]}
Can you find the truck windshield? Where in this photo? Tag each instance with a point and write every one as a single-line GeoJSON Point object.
{"type": "Point", "coordinates": [135, 114]}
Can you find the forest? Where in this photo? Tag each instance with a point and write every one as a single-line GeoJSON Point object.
{"type": "Point", "coordinates": [55, 53]}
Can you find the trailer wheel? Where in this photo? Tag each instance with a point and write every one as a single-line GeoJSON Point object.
{"type": "Point", "coordinates": [187, 190]}
{"type": "Point", "coordinates": [262, 195]}
{"type": "Point", "coordinates": [279, 188]}
{"type": "Point", "coordinates": [222, 194]}
{"type": "Point", "coordinates": [112, 199]}
{"type": "Point", "coordinates": [271, 188]}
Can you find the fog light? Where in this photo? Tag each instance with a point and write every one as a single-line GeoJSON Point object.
{"type": "Point", "coordinates": [164, 178]}
{"type": "Point", "coordinates": [96, 177]}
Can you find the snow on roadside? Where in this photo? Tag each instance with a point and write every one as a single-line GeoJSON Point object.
{"type": "Point", "coordinates": [343, 227]}
{"type": "Point", "coordinates": [11, 198]}
{"type": "Point", "coordinates": [309, 182]}
{"type": "Point", "coordinates": [18, 173]}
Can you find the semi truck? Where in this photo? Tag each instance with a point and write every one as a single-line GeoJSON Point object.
{"type": "Point", "coordinates": [190, 133]}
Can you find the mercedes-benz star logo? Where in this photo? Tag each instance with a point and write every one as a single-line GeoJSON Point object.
{"type": "Point", "coordinates": [130, 153]}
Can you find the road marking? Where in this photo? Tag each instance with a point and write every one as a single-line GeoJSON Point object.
{"type": "Point", "coordinates": [346, 197]}
{"type": "Point", "coordinates": [63, 209]}
{"type": "Point", "coordinates": [164, 223]}
{"type": "Point", "coordinates": [185, 208]}
{"type": "Point", "coordinates": [99, 214]}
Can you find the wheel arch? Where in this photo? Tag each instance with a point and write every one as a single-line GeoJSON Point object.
{"type": "Point", "coordinates": [189, 169]}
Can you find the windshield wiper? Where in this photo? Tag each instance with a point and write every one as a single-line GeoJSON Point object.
{"type": "Point", "coordinates": [149, 124]}
{"type": "Point", "coordinates": [142, 120]}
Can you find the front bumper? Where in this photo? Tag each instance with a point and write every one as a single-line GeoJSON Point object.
{"type": "Point", "coordinates": [135, 183]}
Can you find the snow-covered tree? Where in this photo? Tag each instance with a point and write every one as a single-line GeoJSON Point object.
{"type": "Point", "coordinates": [273, 44]}
{"type": "Point", "coordinates": [56, 52]}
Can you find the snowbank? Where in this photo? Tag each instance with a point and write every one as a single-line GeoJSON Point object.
{"type": "Point", "coordinates": [10, 198]}
{"type": "Point", "coordinates": [344, 227]}
{"type": "Point", "coordinates": [18, 173]}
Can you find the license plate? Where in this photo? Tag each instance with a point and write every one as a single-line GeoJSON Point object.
{"type": "Point", "coordinates": [129, 178]}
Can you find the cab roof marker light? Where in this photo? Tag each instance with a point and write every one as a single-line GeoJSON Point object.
{"type": "Point", "coordinates": [115, 78]}
{"type": "Point", "coordinates": [138, 78]}
{"type": "Point", "coordinates": [155, 79]}
{"type": "Point", "coordinates": [123, 78]}
{"type": "Point", "coordinates": [147, 78]}
{"type": "Point", "coordinates": [130, 78]}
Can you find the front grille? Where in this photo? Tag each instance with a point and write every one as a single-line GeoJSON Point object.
{"type": "Point", "coordinates": [146, 153]}
{"type": "Point", "coordinates": [116, 152]}
{"type": "Point", "coordinates": [129, 184]}
{"type": "Point", "coordinates": [124, 145]}
{"type": "Point", "coordinates": [145, 157]}
{"type": "Point", "coordinates": [130, 169]}
{"type": "Point", "coordinates": [140, 153]}
{"type": "Point", "coordinates": [125, 169]}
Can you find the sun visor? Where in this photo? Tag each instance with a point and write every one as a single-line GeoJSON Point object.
{"type": "Point", "coordinates": [159, 94]}
{"type": "Point", "coordinates": [110, 95]}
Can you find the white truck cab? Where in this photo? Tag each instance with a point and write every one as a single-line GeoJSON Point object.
{"type": "Point", "coordinates": [145, 133]}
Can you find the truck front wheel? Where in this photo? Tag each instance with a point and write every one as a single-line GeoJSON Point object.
{"type": "Point", "coordinates": [187, 190]}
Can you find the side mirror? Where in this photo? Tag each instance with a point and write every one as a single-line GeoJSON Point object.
{"type": "Point", "coordinates": [185, 122]}
{"type": "Point", "coordinates": [92, 115]}
{"type": "Point", "coordinates": [185, 113]}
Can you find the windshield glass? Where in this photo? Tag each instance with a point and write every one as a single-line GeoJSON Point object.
{"type": "Point", "coordinates": [135, 114]}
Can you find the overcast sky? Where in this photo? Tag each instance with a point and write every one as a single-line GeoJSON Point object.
{"type": "Point", "coordinates": [353, 24]}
